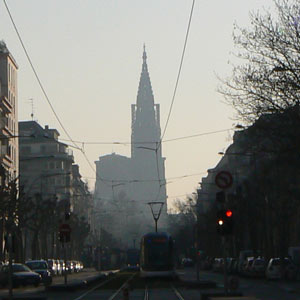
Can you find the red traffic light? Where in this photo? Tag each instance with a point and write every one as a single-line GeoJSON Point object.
{"type": "Point", "coordinates": [228, 213]}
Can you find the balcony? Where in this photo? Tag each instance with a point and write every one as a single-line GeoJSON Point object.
{"type": "Point", "coordinates": [4, 127]}
{"type": "Point", "coordinates": [5, 104]}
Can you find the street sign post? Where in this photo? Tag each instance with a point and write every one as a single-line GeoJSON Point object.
{"type": "Point", "coordinates": [64, 237]}
{"type": "Point", "coordinates": [64, 233]}
{"type": "Point", "coordinates": [223, 180]}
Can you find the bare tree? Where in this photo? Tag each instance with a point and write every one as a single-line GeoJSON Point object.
{"type": "Point", "coordinates": [268, 78]}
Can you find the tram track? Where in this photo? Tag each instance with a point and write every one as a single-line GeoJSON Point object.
{"type": "Point", "coordinates": [172, 288]}
{"type": "Point", "coordinates": [115, 292]}
{"type": "Point", "coordinates": [114, 295]}
{"type": "Point", "coordinates": [118, 287]}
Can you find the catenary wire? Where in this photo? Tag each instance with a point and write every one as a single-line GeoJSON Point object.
{"type": "Point", "coordinates": [174, 94]}
{"type": "Point", "coordinates": [179, 70]}
{"type": "Point", "coordinates": [42, 87]}
{"type": "Point", "coordinates": [164, 141]}
{"type": "Point", "coordinates": [145, 180]}
{"type": "Point", "coordinates": [36, 74]}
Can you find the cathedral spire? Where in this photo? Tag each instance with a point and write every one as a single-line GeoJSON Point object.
{"type": "Point", "coordinates": [144, 55]}
{"type": "Point", "coordinates": [145, 99]}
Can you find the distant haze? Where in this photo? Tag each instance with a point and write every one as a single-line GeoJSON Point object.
{"type": "Point", "coordinates": [88, 56]}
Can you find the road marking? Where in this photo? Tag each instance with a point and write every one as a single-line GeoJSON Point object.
{"type": "Point", "coordinates": [94, 288]}
{"type": "Point", "coordinates": [123, 285]}
{"type": "Point", "coordinates": [177, 292]}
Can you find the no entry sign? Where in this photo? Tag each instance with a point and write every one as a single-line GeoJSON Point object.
{"type": "Point", "coordinates": [223, 180]}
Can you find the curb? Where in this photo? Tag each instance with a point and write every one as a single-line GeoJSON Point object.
{"type": "Point", "coordinates": [24, 298]}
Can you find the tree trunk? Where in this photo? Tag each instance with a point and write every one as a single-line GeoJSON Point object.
{"type": "Point", "coordinates": [35, 251]}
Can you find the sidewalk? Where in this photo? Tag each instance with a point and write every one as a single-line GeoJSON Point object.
{"type": "Point", "coordinates": [74, 281]}
{"type": "Point", "coordinates": [77, 280]}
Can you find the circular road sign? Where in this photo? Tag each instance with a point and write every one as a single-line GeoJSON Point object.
{"type": "Point", "coordinates": [64, 229]}
{"type": "Point", "coordinates": [224, 179]}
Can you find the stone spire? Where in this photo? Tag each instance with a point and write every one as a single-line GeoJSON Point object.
{"type": "Point", "coordinates": [145, 114]}
{"type": "Point", "coordinates": [145, 99]}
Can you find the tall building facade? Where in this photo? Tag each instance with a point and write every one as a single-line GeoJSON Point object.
{"type": "Point", "coordinates": [125, 185]}
{"type": "Point", "coordinates": [8, 112]}
{"type": "Point", "coordinates": [45, 177]}
{"type": "Point", "coordinates": [45, 163]}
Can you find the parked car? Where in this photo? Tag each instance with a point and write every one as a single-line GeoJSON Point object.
{"type": "Point", "coordinates": [53, 267]}
{"type": "Point", "coordinates": [258, 267]}
{"type": "Point", "coordinates": [276, 268]}
{"type": "Point", "coordinates": [248, 266]}
{"type": "Point", "coordinates": [218, 265]}
{"type": "Point", "coordinates": [187, 262]}
{"type": "Point", "coordinates": [59, 267]}
{"type": "Point", "coordinates": [81, 266]}
{"type": "Point", "coordinates": [21, 275]}
{"type": "Point", "coordinates": [77, 265]}
{"type": "Point", "coordinates": [232, 265]}
{"type": "Point", "coordinates": [62, 266]}
{"type": "Point", "coordinates": [242, 260]}
{"type": "Point", "coordinates": [70, 266]}
{"type": "Point", "coordinates": [40, 267]}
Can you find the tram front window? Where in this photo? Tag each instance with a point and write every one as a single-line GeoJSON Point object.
{"type": "Point", "coordinates": [158, 254]}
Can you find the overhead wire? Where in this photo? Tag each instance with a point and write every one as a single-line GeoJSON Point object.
{"type": "Point", "coordinates": [145, 180]}
{"type": "Point", "coordinates": [84, 143]}
{"type": "Point", "coordinates": [42, 87]}
{"type": "Point", "coordinates": [175, 90]}
{"type": "Point", "coordinates": [35, 73]}
{"type": "Point", "coordinates": [163, 141]}
{"type": "Point", "coordinates": [179, 70]}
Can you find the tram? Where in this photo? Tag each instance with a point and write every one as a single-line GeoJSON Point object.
{"type": "Point", "coordinates": [157, 255]}
{"type": "Point", "coordinates": [132, 259]}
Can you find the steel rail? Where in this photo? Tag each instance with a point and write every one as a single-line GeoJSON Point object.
{"type": "Point", "coordinates": [94, 288]}
{"type": "Point", "coordinates": [179, 296]}
{"type": "Point", "coordinates": [122, 286]}
{"type": "Point", "coordinates": [177, 293]}
{"type": "Point", "coordinates": [146, 295]}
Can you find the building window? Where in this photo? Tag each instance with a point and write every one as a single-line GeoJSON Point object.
{"type": "Point", "coordinates": [51, 181]}
{"type": "Point", "coordinates": [43, 149]}
{"type": "Point", "coordinates": [26, 150]}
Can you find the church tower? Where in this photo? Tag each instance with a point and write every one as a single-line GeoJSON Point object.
{"type": "Point", "coordinates": [146, 150]}
{"type": "Point", "coordinates": [130, 183]}
{"type": "Point", "coordinates": [145, 116]}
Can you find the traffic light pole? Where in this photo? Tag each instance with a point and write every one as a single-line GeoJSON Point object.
{"type": "Point", "coordinates": [65, 258]}
{"type": "Point", "coordinates": [225, 264]}
{"type": "Point", "coordinates": [10, 268]}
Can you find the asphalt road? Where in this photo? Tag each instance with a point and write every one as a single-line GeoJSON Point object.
{"type": "Point", "coordinates": [259, 288]}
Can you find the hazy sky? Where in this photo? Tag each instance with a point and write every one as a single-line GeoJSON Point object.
{"type": "Point", "coordinates": [88, 54]}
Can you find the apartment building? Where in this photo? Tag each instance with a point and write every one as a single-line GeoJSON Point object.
{"type": "Point", "coordinates": [45, 164]}
{"type": "Point", "coordinates": [8, 112]}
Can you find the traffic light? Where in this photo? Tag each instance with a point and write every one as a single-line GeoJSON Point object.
{"type": "Point", "coordinates": [225, 221]}
{"type": "Point", "coordinates": [67, 216]}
